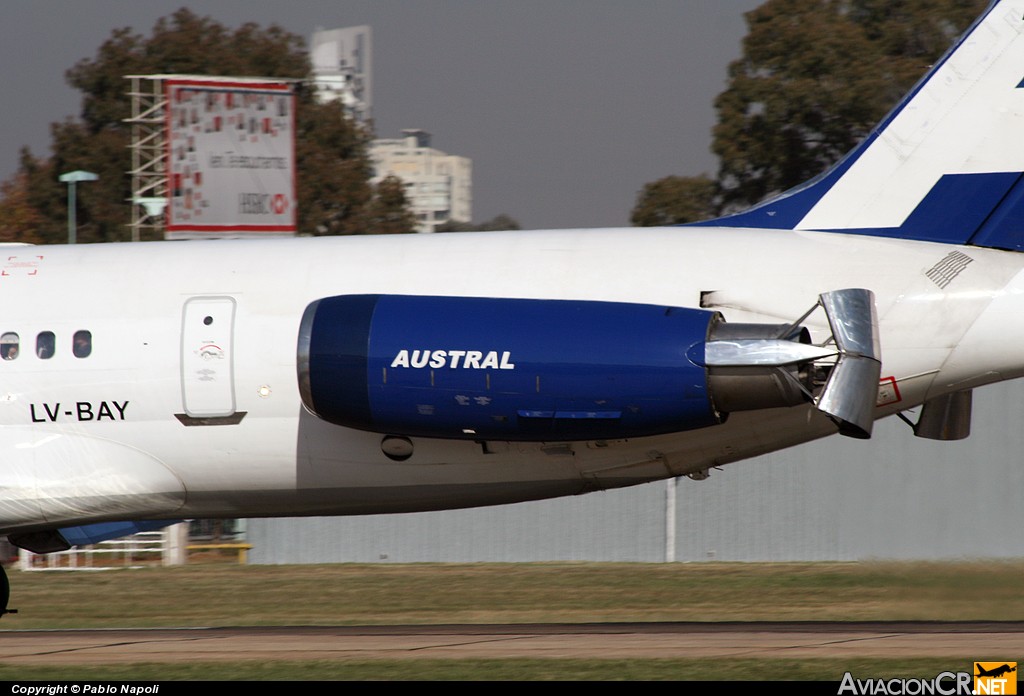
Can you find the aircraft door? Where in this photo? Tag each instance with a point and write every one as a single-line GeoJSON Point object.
{"type": "Point", "coordinates": [207, 357]}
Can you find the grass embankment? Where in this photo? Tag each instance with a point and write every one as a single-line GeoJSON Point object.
{"type": "Point", "coordinates": [515, 593]}
{"type": "Point", "coordinates": [512, 593]}
{"type": "Point", "coordinates": [682, 669]}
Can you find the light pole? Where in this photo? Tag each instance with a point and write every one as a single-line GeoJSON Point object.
{"type": "Point", "coordinates": [72, 178]}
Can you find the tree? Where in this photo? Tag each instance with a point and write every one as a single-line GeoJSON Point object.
{"type": "Point", "coordinates": [19, 220]}
{"type": "Point", "coordinates": [814, 78]}
{"type": "Point", "coordinates": [498, 223]}
{"type": "Point", "coordinates": [25, 197]}
{"type": "Point", "coordinates": [331, 151]}
{"type": "Point", "coordinates": [675, 200]}
{"type": "Point", "coordinates": [333, 171]}
{"type": "Point", "coordinates": [388, 212]}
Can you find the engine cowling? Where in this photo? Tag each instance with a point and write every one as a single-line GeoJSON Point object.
{"type": "Point", "coordinates": [510, 369]}
{"type": "Point", "coordinates": [555, 370]}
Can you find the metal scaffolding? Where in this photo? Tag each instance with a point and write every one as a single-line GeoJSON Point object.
{"type": "Point", "coordinates": [149, 155]}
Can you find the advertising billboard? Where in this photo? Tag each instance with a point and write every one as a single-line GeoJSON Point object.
{"type": "Point", "coordinates": [231, 157]}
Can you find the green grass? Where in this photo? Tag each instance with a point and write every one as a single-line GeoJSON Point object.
{"type": "Point", "coordinates": [515, 593]}
{"type": "Point", "coordinates": [511, 669]}
{"type": "Point", "coordinates": [220, 595]}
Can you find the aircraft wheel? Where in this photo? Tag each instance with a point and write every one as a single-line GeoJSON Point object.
{"type": "Point", "coordinates": [5, 593]}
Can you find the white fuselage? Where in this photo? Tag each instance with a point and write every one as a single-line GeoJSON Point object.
{"type": "Point", "coordinates": [88, 439]}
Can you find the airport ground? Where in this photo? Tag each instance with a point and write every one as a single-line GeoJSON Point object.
{"type": "Point", "coordinates": [526, 621]}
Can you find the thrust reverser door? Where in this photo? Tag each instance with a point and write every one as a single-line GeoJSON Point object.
{"type": "Point", "coordinates": [753, 366]}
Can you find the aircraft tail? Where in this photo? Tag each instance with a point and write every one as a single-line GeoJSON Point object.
{"type": "Point", "coordinates": [946, 165]}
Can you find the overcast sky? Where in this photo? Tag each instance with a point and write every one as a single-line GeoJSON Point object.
{"type": "Point", "coordinates": [566, 107]}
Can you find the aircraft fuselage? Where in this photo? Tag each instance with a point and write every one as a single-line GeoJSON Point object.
{"type": "Point", "coordinates": [188, 402]}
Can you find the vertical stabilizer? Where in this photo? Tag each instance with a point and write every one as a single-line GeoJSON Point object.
{"type": "Point", "coordinates": [946, 165]}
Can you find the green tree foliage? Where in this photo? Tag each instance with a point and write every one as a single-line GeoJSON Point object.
{"type": "Point", "coordinates": [675, 200]}
{"type": "Point", "coordinates": [24, 199]}
{"type": "Point", "coordinates": [333, 171]}
{"type": "Point", "coordinates": [814, 78]}
{"type": "Point", "coordinates": [496, 224]}
{"type": "Point", "coordinates": [388, 211]}
{"type": "Point", "coordinates": [331, 158]}
{"type": "Point", "coordinates": [19, 220]}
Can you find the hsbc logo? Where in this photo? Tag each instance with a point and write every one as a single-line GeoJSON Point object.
{"type": "Point", "coordinates": [262, 204]}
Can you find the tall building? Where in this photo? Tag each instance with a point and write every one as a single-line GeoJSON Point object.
{"type": "Point", "coordinates": [341, 69]}
{"type": "Point", "coordinates": [438, 185]}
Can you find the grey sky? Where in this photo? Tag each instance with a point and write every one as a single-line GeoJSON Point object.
{"type": "Point", "coordinates": [566, 107]}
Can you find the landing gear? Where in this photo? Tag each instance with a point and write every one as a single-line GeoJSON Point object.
{"type": "Point", "coordinates": [5, 593]}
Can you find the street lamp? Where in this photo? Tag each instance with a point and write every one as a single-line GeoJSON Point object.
{"type": "Point", "coordinates": [72, 178]}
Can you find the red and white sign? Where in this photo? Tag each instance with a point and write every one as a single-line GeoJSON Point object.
{"type": "Point", "coordinates": [231, 157]}
{"type": "Point", "coordinates": [888, 392]}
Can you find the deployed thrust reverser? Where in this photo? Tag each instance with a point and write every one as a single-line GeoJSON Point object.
{"type": "Point", "coordinates": [558, 370]}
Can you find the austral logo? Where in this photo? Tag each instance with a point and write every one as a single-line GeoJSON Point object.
{"type": "Point", "coordinates": [465, 359]}
{"type": "Point", "coordinates": [995, 678]}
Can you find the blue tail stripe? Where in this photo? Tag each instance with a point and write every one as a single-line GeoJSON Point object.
{"type": "Point", "coordinates": [957, 206]}
{"type": "Point", "coordinates": [957, 211]}
{"type": "Point", "coordinates": [787, 209]}
{"type": "Point", "coordinates": [1004, 229]}
{"type": "Point", "coordinates": [985, 209]}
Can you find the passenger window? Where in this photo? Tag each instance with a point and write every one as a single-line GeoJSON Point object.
{"type": "Point", "coordinates": [9, 346]}
{"type": "Point", "coordinates": [82, 344]}
{"type": "Point", "coordinates": [45, 344]}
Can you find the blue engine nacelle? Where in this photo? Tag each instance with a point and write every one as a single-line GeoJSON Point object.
{"type": "Point", "coordinates": [505, 369]}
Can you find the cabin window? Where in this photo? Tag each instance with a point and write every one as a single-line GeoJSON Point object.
{"type": "Point", "coordinates": [82, 345]}
{"type": "Point", "coordinates": [9, 343]}
{"type": "Point", "coordinates": [45, 345]}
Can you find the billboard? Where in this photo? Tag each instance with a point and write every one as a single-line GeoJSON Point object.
{"type": "Point", "coordinates": [231, 157]}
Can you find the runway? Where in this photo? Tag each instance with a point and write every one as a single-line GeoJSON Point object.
{"type": "Point", "coordinates": [967, 640]}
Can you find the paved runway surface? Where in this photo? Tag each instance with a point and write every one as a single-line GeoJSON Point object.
{"type": "Point", "coordinates": [974, 640]}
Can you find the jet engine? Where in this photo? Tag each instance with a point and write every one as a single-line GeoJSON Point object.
{"type": "Point", "coordinates": [558, 370]}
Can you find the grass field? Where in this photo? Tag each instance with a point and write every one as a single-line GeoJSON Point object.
{"type": "Point", "coordinates": [222, 595]}
{"type": "Point", "coordinates": [682, 669]}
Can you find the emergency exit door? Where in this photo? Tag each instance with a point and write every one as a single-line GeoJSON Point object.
{"type": "Point", "coordinates": [207, 357]}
